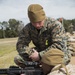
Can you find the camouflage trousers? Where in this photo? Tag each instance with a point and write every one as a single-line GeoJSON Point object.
{"type": "Point", "coordinates": [19, 61]}
{"type": "Point", "coordinates": [50, 55]}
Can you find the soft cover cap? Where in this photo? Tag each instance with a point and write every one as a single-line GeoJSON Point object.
{"type": "Point", "coordinates": [36, 13]}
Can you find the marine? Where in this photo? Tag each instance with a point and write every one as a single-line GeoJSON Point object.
{"type": "Point", "coordinates": [48, 36]}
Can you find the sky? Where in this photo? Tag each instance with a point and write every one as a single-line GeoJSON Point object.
{"type": "Point", "coordinates": [17, 9]}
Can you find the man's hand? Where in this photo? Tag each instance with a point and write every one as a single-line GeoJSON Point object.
{"type": "Point", "coordinates": [34, 56]}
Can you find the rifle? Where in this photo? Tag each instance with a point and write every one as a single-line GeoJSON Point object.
{"type": "Point", "coordinates": [32, 68]}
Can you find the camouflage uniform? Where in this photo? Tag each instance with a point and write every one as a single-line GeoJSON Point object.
{"type": "Point", "coordinates": [52, 35]}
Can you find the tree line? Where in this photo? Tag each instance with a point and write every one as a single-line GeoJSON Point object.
{"type": "Point", "coordinates": [11, 28]}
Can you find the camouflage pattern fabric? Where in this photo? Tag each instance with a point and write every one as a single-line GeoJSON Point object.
{"type": "Point", "coordinates": [70, 69]}
{"type": "Point", "coordinates": [52, 35]}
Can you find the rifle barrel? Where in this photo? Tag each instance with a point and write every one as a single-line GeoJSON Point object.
{"type": "Point", "coordinates": [3, 71]}
{"type": "Point", "coordinates": [19, 71]}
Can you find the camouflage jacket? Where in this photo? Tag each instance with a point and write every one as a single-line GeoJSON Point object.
{"type": "Point", "coordinates": [51, 35]}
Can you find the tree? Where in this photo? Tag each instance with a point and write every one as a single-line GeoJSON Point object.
{"type": "Point", "coordinates": [13, 24]}
{"type": "Point", "coordinates": [2, 31]}
{"type": "Point", "coordinates": [10, 28]}
{"type": "Point", "coordinates": [73, 22]}
{"type": "Point", "coordinates": [5, 24]}
{"type": "Point", "coordinates": [20, 26]}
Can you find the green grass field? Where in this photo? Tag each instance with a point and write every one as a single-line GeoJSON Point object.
{"type": "Point", "coordinates": [8, 52]}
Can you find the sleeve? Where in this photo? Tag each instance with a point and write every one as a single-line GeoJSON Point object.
{"type": "Point", "coordinates": [23, 40]}
{"type": "Point", "coordinates": [58, 36]}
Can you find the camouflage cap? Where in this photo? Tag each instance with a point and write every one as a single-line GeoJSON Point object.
{"type": "Point", "coordinates": [36, 13]}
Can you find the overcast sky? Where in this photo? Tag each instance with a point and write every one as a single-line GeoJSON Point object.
{"type": "Point", "coordinates": [53, 8]}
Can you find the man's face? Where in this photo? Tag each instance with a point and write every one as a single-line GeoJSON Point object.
{"type": "Point", "coordinates": [38, 25]}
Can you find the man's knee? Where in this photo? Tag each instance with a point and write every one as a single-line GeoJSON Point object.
{"type": "Point", "coordinates": [19, 61]}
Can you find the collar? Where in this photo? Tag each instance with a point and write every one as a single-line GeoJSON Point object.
{"type": "Point", "coordinates": [44, 28]}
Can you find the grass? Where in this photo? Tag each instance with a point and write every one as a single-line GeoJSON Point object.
{"type": "Point", "coordinates": [8, 52]}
